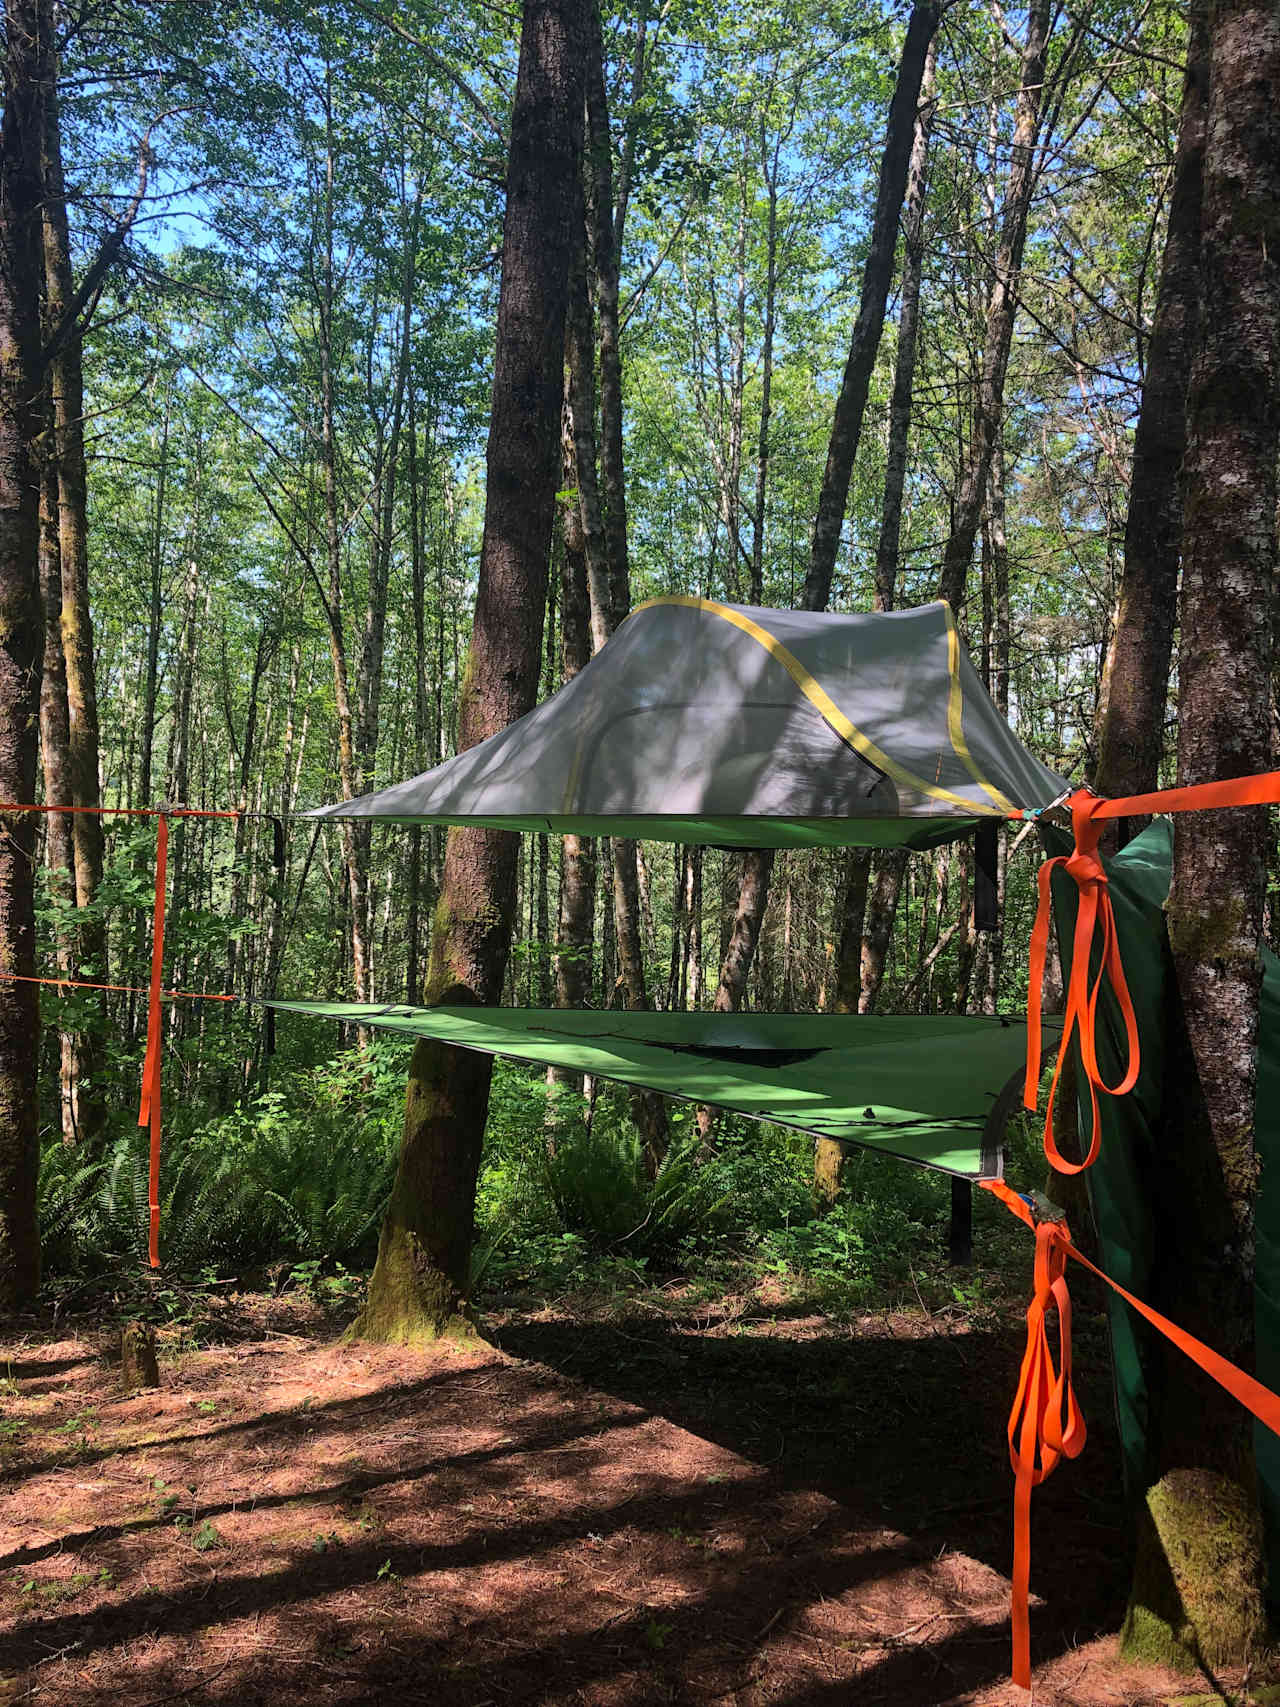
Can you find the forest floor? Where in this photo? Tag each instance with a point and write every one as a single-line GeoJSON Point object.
{"type": "Point", "coordinates": [660, 1500]}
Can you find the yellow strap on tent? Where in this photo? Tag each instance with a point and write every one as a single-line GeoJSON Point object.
{"type": "Point", "coordinates": [955, 716]}
{"type": "Point", "coordinates": [822, 701]}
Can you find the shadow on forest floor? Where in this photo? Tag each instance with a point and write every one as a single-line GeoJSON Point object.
{"type": "Point", "coordinates": [647, 1507]}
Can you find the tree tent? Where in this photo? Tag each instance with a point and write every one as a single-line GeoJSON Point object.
{"type": "Point", "coordinates": [744, 727]}
{"type": "Point", "coordinates": [740, 727]}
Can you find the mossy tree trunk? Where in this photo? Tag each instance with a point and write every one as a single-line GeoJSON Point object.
{"type": "Point", "coordinates": [420, 1284]}
{"type": "Point", "coordinates": [1198, 1583]}
{"type": "Point", "coordinates": [26, 72]}
{"type": "Point", "coordinates": [1135, 682]}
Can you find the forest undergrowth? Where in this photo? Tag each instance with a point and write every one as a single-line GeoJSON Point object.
{"type": "Point", "coordinates": [287, 1192]}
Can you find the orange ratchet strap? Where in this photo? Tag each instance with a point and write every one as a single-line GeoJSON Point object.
{"type": "Point", "coordinates": [1045, 1424]}
{"type": "Point", "coordinates": [1094, 916]}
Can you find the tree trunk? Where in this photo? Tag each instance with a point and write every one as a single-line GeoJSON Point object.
{"type": "Point", "coordinates": [865, 935]}
{"type": "Point", "coordinates": [603, 225]}
{"type": "Point", "coordinates": [904, 369]}
{"type": "Point", "coordinates": [77, 624]}
{"type": "Point", "coordinates": [846, 430]}
{"type": "Point", "coordinates": [1199, 1572]}
{"type": "Point", "coordinates": [55, 741]}
{"type": "Point", "coordinates": [575, 923]}
{"type": "Point", "coordinates": [757, 865]}
{"type": "Point", "coordinates": [84, 1054]}
{"type": "Point", "coordinates": [26, 72]}
{"type": "Point", "coordinates": [420, 1286]}
{"type": "Point", "coordinates": [1002, 304]}
{"type": "Point", "coordinates": [1135, 682]}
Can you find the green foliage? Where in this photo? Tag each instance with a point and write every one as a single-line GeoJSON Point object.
{"type": "Point", "coordinates": [298, 1175]}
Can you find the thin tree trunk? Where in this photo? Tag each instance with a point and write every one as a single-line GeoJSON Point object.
{"type": "Point", "coordinates": [26, 72]}
{"type": "Point", "coordinates": [1199, 1571]}
{"type": "Point", "coordinates": [55, 742]}
{"type": "Point", "coordinates": [865, 937]}
{"type": "Point", "coordinates": [77, 623]}
{"type": "Point", "coordinates": [904, 369]}
{"type": "Point", "coordinates": [155, 613]}
{"type": "Point", "coordinates": [1002, 304]}
{"type": "Point", "coordinates": [846, 430]}
{"type": "Point", "coordinates": [83, 1056]}
{"type": "Point", "coordinates": [418, 594]}
{"type": "Point", "coordinates": [420, 1286]}
{"type": "Point", "coordinates": [603, 225]}
{"type": "Point", "coordinates": [1135, 682]}
{"type": "Point", "coordinates": [348, 769]}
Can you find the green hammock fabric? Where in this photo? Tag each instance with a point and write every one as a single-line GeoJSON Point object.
{"type": "Point", "coordinates": [935, 1090]}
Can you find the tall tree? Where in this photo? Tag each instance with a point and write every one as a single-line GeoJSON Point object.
{"type": "Point", "coordinates": [421, 1282]}
{"type": "Point", "coordinates": [1199, 1572]}
{"type": "Point", "coordinates": [842, 449]}
{"type": "Point", "coordinates": [867, 910]}
{"type": "Point", "coordinates": [1135, 683]}
{"type": "Point", "coordinates": [27, 71]}
{"type": "Point", "coordinates": [1002, 306]}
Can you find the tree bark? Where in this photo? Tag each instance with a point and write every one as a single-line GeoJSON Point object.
{"type": "Point", "coordinates": [757, 864]}
{"type": "Point", "coordinates": [1199, 1571]}
{"type": "Point", "coordinates": [55, 742]}
{"type": "Point", "coordinates": [865, 938]}
{"type": "Point", "coordinates": [77, 624]}
{"type": "Point", "coordinates": [1002, 305]}
{"type": "Point", "coordinates": [904, 369]}
{"type": "Point", "coordinates": [846, 430]}
{"type": "Point", "coordinates": [420, 1286]}
{"type": "Point", "coordinates": [575, 923]}
{"type": "Point", "coordinates": [1135, 682]}
{"type": "Point", "coordinates": [83, 1055]}
{"type": "Point", "coordinates": [26, 71]}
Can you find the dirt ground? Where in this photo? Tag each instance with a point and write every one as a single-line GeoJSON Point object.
{"type": "Point", "coordinates": [666, 1503]}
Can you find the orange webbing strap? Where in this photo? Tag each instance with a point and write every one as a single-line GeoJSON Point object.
{"type": "Point", "coordinates": [1094, 913]}
{"type": "Point", "coordinates": [1045, 1423]}
{"type": "Point", "coordinates": [1260, 790]}
{"type": "Point", "coordinates": [150, 1112]}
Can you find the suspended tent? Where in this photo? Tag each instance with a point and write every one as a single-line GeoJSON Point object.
{"type": "Point", "coordinates": [740, 727]}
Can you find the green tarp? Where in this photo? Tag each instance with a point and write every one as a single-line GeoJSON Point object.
{"type": "Point", "coordinates": [742, 727]}
{"type": "Point", "coordinates": [935, 1091]}
{"type": "Point", "coordinates": [1130, 1147]}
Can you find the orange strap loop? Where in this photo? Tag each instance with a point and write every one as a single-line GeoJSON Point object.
{"type": "Point", "coordinates": [1093, 915]}
{"type": "Point", "coordinates": [1045, 1424]}
{"type": "Point", "coordinates": [1095, 918]}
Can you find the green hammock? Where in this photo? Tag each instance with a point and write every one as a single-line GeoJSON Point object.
{"type": "Point", "coordinates": [936, 1091]}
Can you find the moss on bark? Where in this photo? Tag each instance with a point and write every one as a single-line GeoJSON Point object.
{"type": "Point", "coordinates": [412, 1301]}
{"type": "Point", "coordinates": [1197, 1597]}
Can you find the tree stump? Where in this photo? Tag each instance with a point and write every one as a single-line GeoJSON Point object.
{"type": "Point", "coordinates": [138, 1366]}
